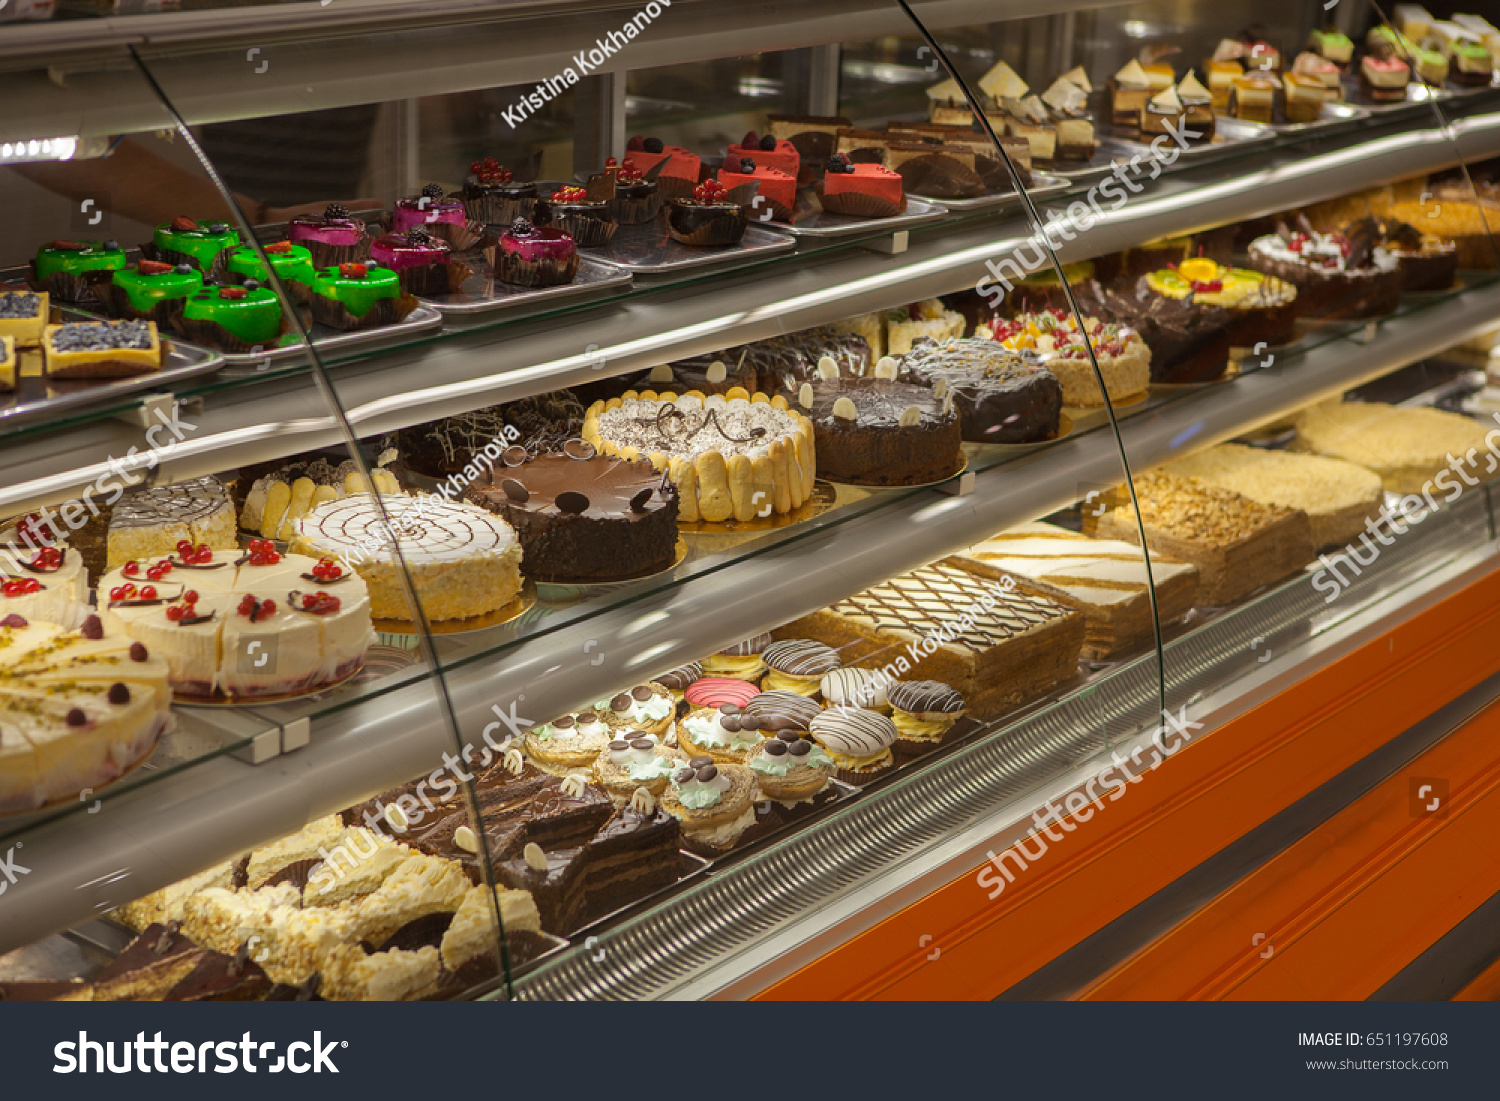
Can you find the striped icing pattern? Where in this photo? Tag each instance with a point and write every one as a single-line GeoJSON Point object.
{"type": "Point", "coordinates": [428, 529]}
{"type": "Point", "coordinates": [801, 657]}
{"type": "Point", "coordinates": [717, 691]}
{"type": "Point", "coordinates": [918, 696]}
{"type": "Point", "coordinates": [853, 732]}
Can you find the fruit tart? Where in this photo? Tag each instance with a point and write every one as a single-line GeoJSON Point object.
{"type": "Point", "coordinates": [494, 196]}
{"type": "Point", "coordinates": [708, 217]}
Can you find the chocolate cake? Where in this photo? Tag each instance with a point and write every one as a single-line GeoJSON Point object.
{"type": "Point", "coordinates": [877, 431]}
{"type": "Point", "coordinates": [1335, 275]}
{"type": "Point", "coordinates": [581, 516]}
{"type": "Point", "coordinates": [1000, 397]}
{"type": "Point", "coordinates": [444, 447]}
{"type": "Point", "coordinates": [554, 879]}
{"type": "Point", "coordinates": [1189, 342]}
{"type": "Point", "coordinates": [634, 853]}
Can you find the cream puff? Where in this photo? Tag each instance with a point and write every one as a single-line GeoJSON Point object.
{"type": "Point", "coordinates": [715, 803]}
{"type": "Point", "coordinates": [858, 742]}
{"type": "Point", "coordinates": [742, 661]}
{"type": "Point", "coordinates": [924, 711]}
{"type": "Point", "coordinates": [568, 744]}
{"type": "Point", "coordinates": [778, 710]}
{"type": "Point", "coordinates": [627, 764]}
{"type": "Point", "coordinates": [854, 687]}
{"type": "Point", "coordinates": [790, 768]}
{"type": "Point", "coordinates": [718, 733]}
{"type": "Point", "coordinates": [797, 665]}
{"type": "Point", "coordinates": [648, 708]}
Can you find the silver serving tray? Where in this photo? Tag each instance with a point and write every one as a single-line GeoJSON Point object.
{"type": "Point", "coordinates": [39, 398]}
{"type": "Point", "coordinates": [648, 250]}
{"type": "Point", "coordinates": [1043, 185]}
{"type": "Point", "coordinates": [483, 294]}
{"type": "Point", "coordinates": [1334, 116]}
{"type": "Point", "coordinates": [1230, 137]}
{"type": "Point", "coordinates": [333, 342]}
{"type": "Point", "coordinates": [824, 225]}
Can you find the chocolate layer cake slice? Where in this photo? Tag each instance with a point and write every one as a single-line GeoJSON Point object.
{"type": "Point", "coordinates": [633, 854]}
{"type": "Point", "coordinates": [558, 818]}
{"type": "Point", "coordinates": [555, 881]}
{"type": "Point", "coordinates": [151, 965]}
{"type": "Point", "coordinates": [998, 646]}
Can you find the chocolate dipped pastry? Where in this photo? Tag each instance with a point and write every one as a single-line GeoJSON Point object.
{"type": "Point", "coordinates": [858, 743]}
{"type": "Point", "coordinates": [778, 709]}
{"type": "Point", "coordinates": [583, 213]}
{"type": "Point", "coordinates": [706, 217]}
{"type": "Point", "coordinates": [1000, 397]}
{"type": "Point", "coordinates": [878, 431]}
{"type": "Point", "coordinates": [1335, 275]}
{"type": "Point", "coordinates": [742, 661]}
{"type": "Point", "coordinates": [637, 199]}
{"type": "Point", "coordinates": [493, 195]}
{"type": "Point", "coordinates": [924, 712]}
{"type": "Point", "coordinates": [798, 665]}
{"type": "Point", "coordinates": [583, 517]}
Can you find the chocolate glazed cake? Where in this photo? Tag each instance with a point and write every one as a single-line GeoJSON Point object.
{"type": "Point", "coordinates": [583, 517]}
{"type": "Point", "coordinates": [1000, 397]}
{"type": "Point", "coordinates": [1189, 341]}
{"type": "Point", "coordinates": [877, 431]}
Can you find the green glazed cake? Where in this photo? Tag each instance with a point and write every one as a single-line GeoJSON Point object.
{"type": "Point", "coordinates": [69, 269]}
{"type": "Point", "coordinates": [292, 263]}
{"type": "Point", "coordinates": [358, 296]}
{"type": "Point", "coordinates": [138, 290]}
{"type": "Point", "coordinates": [232, 316]}
{"type": "Point", "coordinates": [183, 240]}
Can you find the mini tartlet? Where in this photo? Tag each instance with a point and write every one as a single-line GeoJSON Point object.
{"type": "Point", "coordinates": [798, 665]}
{"type": "Point", "coordinates": [535, 256]}
{"type": "Point", "coordinates": [923, 712]}
{"type": "Point", "coordinates": [627, 763]}
{"type": "Point", "coordinates": [858, 742]}
{"type": "Point", "coordinates": [719, 733]}
{"type": "Point", "coordinates": [708, 217]}
{"type": "Point", "coordinates": [790, 768]}
{"type": "Point", "coordinates": [493, 195]}
{"type": "Point", "coordinates": [568, 744]}
{"type": "Point", "coordinates": [778, 710]}
{"type": "Point", "coordinates": [648, 708]}
{"type": "Point", "coordinates": [715, 803]}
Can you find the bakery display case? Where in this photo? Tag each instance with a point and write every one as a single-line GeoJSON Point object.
{"type": "Point", "coordinates": [657, 521]}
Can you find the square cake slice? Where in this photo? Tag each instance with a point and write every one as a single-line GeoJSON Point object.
{"type": "Point", "coordinates": [1238, 545]}
{"type": "Point", "coordinates": [101, 349]}
{"type": "Point", "coordinates": [996, 641]}
{"type": "Point", "coordinates": [23, 316]}
{"type": "Point", "coordinates": [1105, 579]}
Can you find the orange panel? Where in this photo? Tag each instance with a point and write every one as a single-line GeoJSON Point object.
{"type": "Point", "coordinates": [1211, 792]}
{"type": "Point", "coordinates": [1340, 912]}
{"type": "Point", "coordinates": [1484, 987]}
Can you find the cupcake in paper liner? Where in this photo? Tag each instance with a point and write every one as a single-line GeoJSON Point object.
{"type": "Point", "coordinates": [69, 270]}
{"type": "Point", "coordinates": [235, 318]}
{"type": "Point", "coordinates": [292, 264]}
{"type": "Point", "coordinates": [710, 215]}
{"type": "Point", "coordinates": [355, 296]}
{"type": "Point", "coordinates": [637, 198]}
{"type": "Point", "coordinates": [583, 213]}
{"type": "Point", "coordinates": [494, 196]}
{"type": "Point", "coordinates": [148, 290]}
{"type": "Point", "coordinates": [534, 256]}
{"type": "Point", "coordinates": [423, 263]}
{"type": "Point", "coordinates": [332, 238]}
{"type": "Point", "coordinates": [790, 768]}
{"type": "Point", "coordinates": [202, 245]}
{"type": "Point", "coordinates": [629, 762]}
{"type": "Point", "coordinates": [924, 713]}
{"type": "Point", "coordinates": [857, 741]}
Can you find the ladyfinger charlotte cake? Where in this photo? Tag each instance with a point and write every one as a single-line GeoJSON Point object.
{"type": "Point", "coordinates": [732, 457]}
{"type": "Point", "coordinates": [242, 626]}
{"type": "Point", "coordinates": [77, 708]}
{"type": "Point", "coordinates": [463, 561]}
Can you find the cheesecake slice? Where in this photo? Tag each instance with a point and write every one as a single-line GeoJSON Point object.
{"type": "Point", "coordinates": [1068, 106]}
{"type": "Point", "coordinates": [1221, 76]}
{"type": "Point", "coordinates": [1028, 118]}
{"type": "Point", "coordinates": [1002, 83]}
{"type": "Point", "coordinates": [1129, 89]}
{"type": "Point", "coordinates": [1304, 98]}
{"type": "Point", "coordinates": [1198, 107]}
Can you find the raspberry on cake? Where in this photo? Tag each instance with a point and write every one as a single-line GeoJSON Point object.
{"type": "Point", "coordinates": [778, 188]}
{"type": "Point", "coordinates": [731, 457]}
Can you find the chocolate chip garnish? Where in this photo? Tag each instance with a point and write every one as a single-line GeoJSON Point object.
{"type": "Point", "coordinates": [707, 773]}
{"type": "Point", "coordinates": [775, 749]}
{"type": "Point", "coordinates": [643, 743]}
{"type": "Point", "coordinates": [566, 722]}
{"type": "Point", "coordinates": [579, 449]}
{"type": "Point", "coordinates": [515, 491]}
{"type": "Point", "coordinates": [700, 761]}
{"type": "Point", "coordinates": [92, 628]}
{"type": "Point", "coordinates": [587, 717]}
{"type": "Point", "coordinates": [730, 723]}
{"type": "Point", "coordinates": [76, 717]}
{"type": "Point", "coordinates": [138, 652]}
{"type": "Point", "coordinates": [749, 722]}
{"type": "Point", "coordinates": [515, 455]}
{"type": "Point", "coordinates": [683, 775]}
{"type": "Point", "coordinates": [799, 748]}
{"type": "Point", "coordinates": [619, 745]}
{"type": "Point", "coordinates": [639, 502]}
{"type": "Point", "coordinates": [621, 702]}
{"type": "Point", "coordinates": [728, 709]}
{"type": "Point", "coordinates": [789, 735]}
{"type": "Point", "coordinates": [571, 501]}
{"type": "Point", "coordinates": [642, 693]}
{"type": "Point", "coordinates": [118, 694]}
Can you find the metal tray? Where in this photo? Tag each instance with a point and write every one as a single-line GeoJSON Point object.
{"type": "Point", "coordinates": [1334, 116]}
{"type": "Point", "coordinates": [1230, 138]}
{"type": "Point", "coordinates": [1043, 185]}
{"type": "Point", "coordinates": [483, 294]}
{"type": "Point", "coordinates": [1418, 95]}
{"type": "Point", "coordinates": [39, 398]}
{"type": "Point", "coordinates": [332, 341]}
{"type": "Point", "coordinates": [647, 250]}
{"type": "Point", "coordinates": [823, 225]}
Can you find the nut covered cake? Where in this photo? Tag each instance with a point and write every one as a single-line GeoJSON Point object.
{"type": "Point", "coordinates": [1237, 544]}
{"type": "Point", "coordinates": [463, 561]}
{"type": "Point", "coordinates": [150, 523]}
{"type": "Point", "coordinates": [732, 456]}
{"type": "Point", "coordinates": [994, 641]}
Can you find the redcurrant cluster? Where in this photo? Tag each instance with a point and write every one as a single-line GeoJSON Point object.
{"type": "Point", "coordinates": [327, 570]}
{"type": "Point", "coordinates": [320, 603]}
{"type": "Point", "coordinates": [263, 552]}
{"type": "Point", "coordinates": [20, 586]}
{"type": "Point", "coordinates": [128, 591]}
{"type": "Point", "coordinates": [710, 191]}
{"type": "Point", "coordinates": [255, 610]}
{"type": "Point", "coordinates": [186, 609]}
{"type": "Point", "coordinates": [490, 171]}
{"type": "Point", "coordinates": [194, 554]}
{"type": "Point", "coordinates": [569, 195]}
{"type": "Point", "coordinates": [48, 558]}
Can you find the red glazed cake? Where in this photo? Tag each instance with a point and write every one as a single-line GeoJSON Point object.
{"type": "Point", "coordinates": [680, 173]}
{"type": "Point", "coordinates": [766, 150]}
{"type": "Point", "coordinates": [535, 256]}
{"type": "Point", "coordinates": [778, 188]}
{"type": "Point", "coordinates": [862, 190]}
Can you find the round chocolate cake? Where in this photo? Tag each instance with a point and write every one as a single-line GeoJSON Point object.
{"type": "Point", "coordinates": [583, 517]}
{"type": "Point", "coordinates": [877, 431]}
{"type": "Point", "coordinates": [999, 395]}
